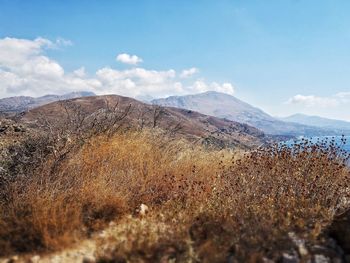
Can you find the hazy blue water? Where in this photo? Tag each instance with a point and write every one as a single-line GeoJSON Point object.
{"type": "Point", "coordinates": [347, 145]}
{"type": "Point", "coordinates": [337, 139]}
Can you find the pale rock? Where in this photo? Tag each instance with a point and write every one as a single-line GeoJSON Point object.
{"type": "Point", "coordinates": [35, 259]}
{"type": "Point", "coordinates": [299, 243]}
{"type": "Point", "coordinates": [143, 209]}
{"type": "Point", "coordinates": [289, 258]}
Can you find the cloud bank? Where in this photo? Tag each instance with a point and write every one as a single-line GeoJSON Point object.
{"type": "Point", "coordinates": [186, 73]}
{"type": "Point", "coordinates": [315, 101]}
{"type": "Point", "coordinates": [26, 69]}
{"type": "Point", "coordinates": [336, 106]}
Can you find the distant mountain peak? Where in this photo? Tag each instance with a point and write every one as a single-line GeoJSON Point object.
{"type": "Point", "coordinates": [224, 105]}
{"type": "Point", "coordinates": [318, 121]}
{"type": "Point", "coordinates": [24, 103]}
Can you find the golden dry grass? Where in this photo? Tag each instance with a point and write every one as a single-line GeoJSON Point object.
{"type": "Point", "coordinates": [204, 204]}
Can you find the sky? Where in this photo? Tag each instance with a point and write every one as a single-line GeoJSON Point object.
{"type": "Point", "coordinates": [285, 57]}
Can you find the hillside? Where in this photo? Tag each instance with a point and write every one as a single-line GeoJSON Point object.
{"type": "Point", "coordinates": [96, 180]}
{"type": "Point", "coordinates": [210, 103]}
{"type": "Point", "coordinates": [226, 106]}
{"type": "Point", "coordinates": [24, 103]}
{"type": "Point", "coordinates": [180, 122]}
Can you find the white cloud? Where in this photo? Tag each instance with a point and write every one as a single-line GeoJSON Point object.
{"type": "Point", "coordinates": [311, 101]}
{"type": "Point", "coordinates": [15, 51]}
{"type": "Point", "coordinates": [343, 97]}
{"type": "Point", "coordinates": [186, 73]}
{"type": "Point", "coordinates": [80, 72]}
{"type": "Point", "coordinates": [129, 59]}
{"type": "Point", "coordinates": [225, 88]}
{"type": "Point", "coordinates": [63, 42]}
{"type": "Point", "coordinates": [139, 81]}
{"type": "Point", "coordinates": [25, 69]}
{"type": "Point", "coordinates": [335, 106]}
{"type": "Point", "coordinates": [202, 86]}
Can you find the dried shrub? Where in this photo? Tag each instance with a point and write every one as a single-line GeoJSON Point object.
{"type": "Point", "coordinates": [204, 205]}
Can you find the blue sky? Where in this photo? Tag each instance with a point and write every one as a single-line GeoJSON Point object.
{"type": "Point", "coordinates": [283, 56]}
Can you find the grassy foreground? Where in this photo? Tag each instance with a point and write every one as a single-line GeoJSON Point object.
{"type": "Point", "coordinates": [203, 204]}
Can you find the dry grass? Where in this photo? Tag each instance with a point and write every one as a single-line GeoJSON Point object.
{"type": "Point", "coordinates": [205, 205]}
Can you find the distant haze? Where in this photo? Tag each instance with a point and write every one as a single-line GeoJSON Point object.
{"type": "Point", "coordinates": [318, 121]}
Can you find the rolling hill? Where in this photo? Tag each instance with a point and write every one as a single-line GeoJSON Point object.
{"type": "Point", "coordinates": [180, 122]}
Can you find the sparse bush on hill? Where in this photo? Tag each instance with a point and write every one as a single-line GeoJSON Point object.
{"type": "Point", "coordinates": [204, 204]}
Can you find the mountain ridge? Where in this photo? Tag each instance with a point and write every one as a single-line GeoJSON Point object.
{"type": "Point", "coordinates": [25, 103]}
{"type": "Point", "coordinates": [317, 121]}
{"type": "Point", "coordinates": [184, 123]}
{"type": "Point", "coordinates": [226, 106]}
{"type": "Point", "coordinates": [211, 103]}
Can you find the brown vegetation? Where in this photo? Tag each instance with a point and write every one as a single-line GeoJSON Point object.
{"type": "Point", "coordinates": [205, 205]}
{"type": "Point", "coordinates": [70, 180]}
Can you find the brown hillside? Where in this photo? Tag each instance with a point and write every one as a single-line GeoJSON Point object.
{"type": "Point", "coordinates": [134, 114]}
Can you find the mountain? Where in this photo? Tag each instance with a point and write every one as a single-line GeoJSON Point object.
{"type": "Point", "coordinates": [24, 103]}
{"type": "Point", "coordinates": [226, 106]}
{"type": "Point", "coordinates": [217, 104]}
{"type": "Point", "coordinates": [188, 124]}
{"type": "Point", "coordinates": [318, 121]}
